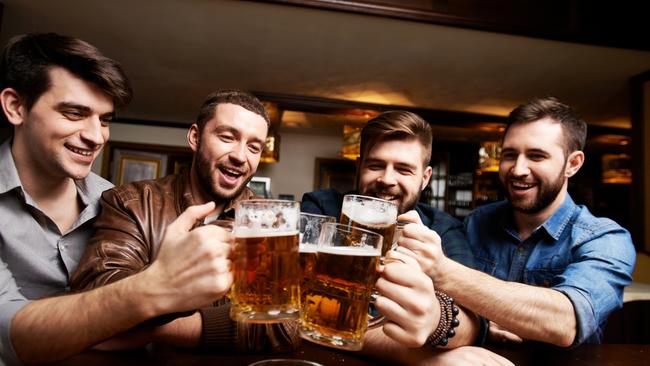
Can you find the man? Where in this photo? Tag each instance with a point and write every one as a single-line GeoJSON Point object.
{"type": "Point", "coordinates": [59, 94]}
{"type": "Point", "coordinates": [553, 271]}
{"type": "Point", "coordinates": [394, 165]}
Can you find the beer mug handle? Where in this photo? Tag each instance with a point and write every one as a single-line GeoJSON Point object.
{"type": "Point", "coordinates": [375, 318]}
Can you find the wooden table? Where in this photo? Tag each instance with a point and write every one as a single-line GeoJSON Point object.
{"type": "Point", "coordinates": [592, 355]}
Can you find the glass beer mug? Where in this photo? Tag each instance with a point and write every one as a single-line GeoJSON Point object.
{"type": "Point", "coordinates": [370, 213]}
{"type": "Point", "coordinates": [335, 310]}
{"type": "Point", "coordinates": [266, 267]}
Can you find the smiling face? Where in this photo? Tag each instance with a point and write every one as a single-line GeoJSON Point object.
{"type": "Point", "coordinates": [65, 129]}
{"type": "Point", "coordinates": [534, 168]}
{"type": "Point", "coordinates": [227, 150]}
{"type": "Point", "coordinates": [393, 170]}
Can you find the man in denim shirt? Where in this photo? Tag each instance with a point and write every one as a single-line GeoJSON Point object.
{"type": "Point", "coordinates": [556, 271]}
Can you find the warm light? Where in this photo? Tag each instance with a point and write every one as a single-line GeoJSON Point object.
{"type": "Point", "coordinates": [488, 156]}
{"type": "Point", "coordinates": [351, 148]}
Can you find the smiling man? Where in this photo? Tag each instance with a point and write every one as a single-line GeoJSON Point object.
{"type": "Point", "coordinates": [59, 94]}
{"type": "Point", "coordinates": [227, 140]}
{"type": "Point", "coordinates": [394, 165]}
{"type": "Point", "coordinates": [553, 271]}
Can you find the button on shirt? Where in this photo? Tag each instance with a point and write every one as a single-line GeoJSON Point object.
{"type": "Point", "coordinates": [589, 259]}
{"type": "Point", "coordinates": [36, 259]}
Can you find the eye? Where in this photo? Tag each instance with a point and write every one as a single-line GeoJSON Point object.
{"type": "Point", "coordinates": [226, 137]}
{"type": "Point", "coordinates": [508, 156]}
{"type": "Point", "coordinates": [374, 166]}
{"type": "Point", "coordinates": [405, 171]}
{"type": "Point", "coordinates": [255, 148]}
{"type": "Point", "coordinates": [106, 120]}
{"type": "Point", "coordinates": [73, 115]}
{"type": "Point", "coordinates": [536, 157]}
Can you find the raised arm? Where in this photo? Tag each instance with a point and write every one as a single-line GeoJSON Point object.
{"type": "Point", "coordinates": [190, 272]}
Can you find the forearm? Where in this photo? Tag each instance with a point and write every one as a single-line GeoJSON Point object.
{"type": "Point", "coordinates": [56, 328]}
{"type": "Point", "coordinates": [530, 312]}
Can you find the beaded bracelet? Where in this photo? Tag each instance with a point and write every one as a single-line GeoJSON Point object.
{"type": "Point", "coordinates": [448, 321]}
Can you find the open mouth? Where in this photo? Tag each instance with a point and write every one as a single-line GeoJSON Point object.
{"type": "Point", "coordinates": [230, 175]}
{"type": "Point", "coordinates": [521, 186]}
{"type": "Point", "coordinates": [82, 152]}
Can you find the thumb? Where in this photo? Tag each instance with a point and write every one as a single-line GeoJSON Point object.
{"type": "Point", "coordinates": [189, 217]}
{"type": "Point", "coordinates": [411, 217]}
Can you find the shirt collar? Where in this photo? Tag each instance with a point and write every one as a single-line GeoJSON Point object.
{"type": "Point", "coordinates": [555, 224]}
{"type": "Point", "coordinates": [9, 179]}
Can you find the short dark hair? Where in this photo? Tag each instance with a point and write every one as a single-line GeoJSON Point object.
{"type": "Point", "coordinates": [232, 96]}
{"type": "Point", "coordinates": [27, 59]}
{"type": "Point", "coordinates": [574, 127]}
{"type": "Point", "coordinates": [397, 125]}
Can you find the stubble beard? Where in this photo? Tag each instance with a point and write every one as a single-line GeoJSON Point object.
{"type": "Point", "coordinates": [209, 184]}
{"type": "Point", "coordinates": [544, 198]}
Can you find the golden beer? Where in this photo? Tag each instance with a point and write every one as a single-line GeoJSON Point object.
{"type": "Point", "coordinates": [267, 278]}
{"type": "Point", "coordinates": [336, 300]}
{"type": "Point", "coordinates": [386, 229]}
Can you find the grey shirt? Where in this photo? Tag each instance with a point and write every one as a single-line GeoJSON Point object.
{"type": "Point", "coordinates": [36, 259]}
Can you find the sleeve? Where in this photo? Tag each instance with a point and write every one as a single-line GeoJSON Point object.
{"type": "Point", "coordinates": [454, 241]}
{"type": "Point", "coordinates": [11, 300]}
{"type": "Point", "coordinates": [116, 250]}
{"type": "Point", "coordinates": [310, 204]}
{"type": "Point", "coordinates": [594, 282]}
{"type": "Point", "coordinates": [223, 335]}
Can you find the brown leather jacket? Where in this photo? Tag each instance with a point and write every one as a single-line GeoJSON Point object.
{"type": "Point", "coordinates": [127, 238]}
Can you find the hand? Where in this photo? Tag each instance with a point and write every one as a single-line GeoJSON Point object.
{"type": "Point", "coordinates": [192, 268]}
{"type": "Point", "coordinates": [407, 300]}
{"type": "Point", "coordinates": [499, 335]}
{"type": "Point", "coordinates": [422, 243]}
{"type": "Point", "coordinates": [467, 356]}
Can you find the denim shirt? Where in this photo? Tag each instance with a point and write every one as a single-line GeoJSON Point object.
{"type": "Point", "coordinates": [587, 258]}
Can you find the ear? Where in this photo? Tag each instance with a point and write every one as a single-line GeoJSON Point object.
{"type": "Point", "coordinates": [193, 137]}
{"type": "Point", "coordinates": [574, 163]}
{"type": "Point", "coordinates": [12, 106]}
{"type": "Point", "coordinates": [426, 176]}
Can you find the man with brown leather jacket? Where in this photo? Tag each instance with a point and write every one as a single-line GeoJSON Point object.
{"type": "Point", "coordinates": [227, 140]}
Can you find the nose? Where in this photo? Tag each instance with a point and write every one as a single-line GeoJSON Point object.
{"type": "Point", "coordinates": [388, 177]}
{"type": "Point", "coordinates": [520, 168]}
{"type": "Point", "coordinates": [238, 153]}
{"type": "Point", "coordinates": [94, 132]}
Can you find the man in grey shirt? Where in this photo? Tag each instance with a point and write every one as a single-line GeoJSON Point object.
{"type": "Point", "coordinates": [59, 94]}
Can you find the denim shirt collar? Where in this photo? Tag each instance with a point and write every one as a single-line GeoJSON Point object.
{"type": "Point", "coordinates": [553, 226]}
{"type": "Point", "coordinates": [556, 224]}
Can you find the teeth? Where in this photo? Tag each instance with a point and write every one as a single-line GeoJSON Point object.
{"type": "Point", "coordinates": [80, 152]}
{"type": "Point", "coordinates": [230, 171]}
{"type": "Point", "coordinates": [521, 185]}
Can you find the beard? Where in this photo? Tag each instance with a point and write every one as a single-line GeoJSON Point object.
{"type": "Point", "coordinates": [547, 193]}
{"type": "Point", "coordinates": [404, 204]}
{"type": "Point", "coordinates": [204, 169]}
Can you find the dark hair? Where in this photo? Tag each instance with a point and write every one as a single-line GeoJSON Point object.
{"type": "Point", "coordinates": [233, 96]}
{"type": "Point", "coordinates": [574, 128]}
{"type": "Point", "coordinates": [397, 125]}
{"type": "Point", "coordinates": [27, 58]}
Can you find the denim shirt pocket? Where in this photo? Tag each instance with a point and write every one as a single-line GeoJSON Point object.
{"type": "Point", "coordinates": [545, 270]}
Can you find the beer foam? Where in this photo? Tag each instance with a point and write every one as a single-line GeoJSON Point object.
{"type": "Point", "coordinates": [370, 212]}
{"type": "Point", "coordinates": [308, 248]}
{"type": "Point", "coordinates": [366, 251]}
{"type": "Point", "coordinates": [258, 233]}
{"type": "Point", "coordinates": [267, 220]}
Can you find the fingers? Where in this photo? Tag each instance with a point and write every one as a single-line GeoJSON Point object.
{"type": "Point", "coordinates": [189, 217]}
{"type": "Point", "coordinates": [410, 216]}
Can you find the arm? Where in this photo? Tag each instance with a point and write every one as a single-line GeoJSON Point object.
{"type": "Point", "coordinates": [388, 351]}
{"type": "Point", "coordinates": [190, 271]}
{"type": "Point", "coordinates": [412, 310]}
{"type": "Point", "coordinates": [529, 312]}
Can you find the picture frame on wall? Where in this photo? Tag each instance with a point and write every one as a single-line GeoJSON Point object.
{"type": "Point", "coordinates": [135, 168]}
{"type": "Point", "coordinates": [261, 186]}
{"type": "Point", "coordinates": [126, 162]}
{"type": "Point", "coordinates": [339, 174]}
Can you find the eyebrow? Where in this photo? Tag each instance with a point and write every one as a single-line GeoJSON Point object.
{"type": "Point", "coordinates": [82, 108]}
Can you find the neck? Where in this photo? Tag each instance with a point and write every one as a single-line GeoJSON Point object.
{"type": "Point", "coordinates": [200, 195]}
{"type": "Point", "coordinates": [526, 223]}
